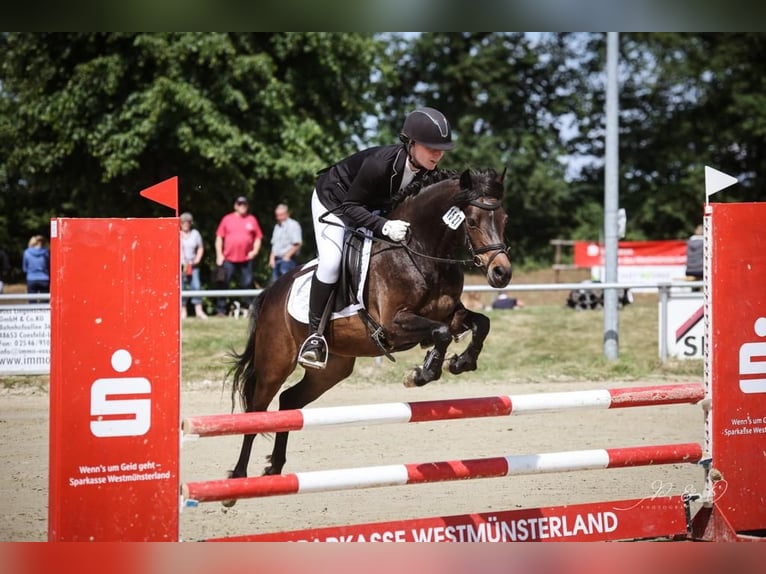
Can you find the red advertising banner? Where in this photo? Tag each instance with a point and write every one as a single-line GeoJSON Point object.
{"type": "Point", "coordinates": [622, 520]}
{"type": "Point", "coordinates": [114, 387]}
{"type": "Point", "coordinates": [632, 253]}
{"type": "Point", "coordinates": [738, 362]}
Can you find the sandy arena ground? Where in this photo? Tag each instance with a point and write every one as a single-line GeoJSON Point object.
{"type": "Point", "coordinates": [24, 455]}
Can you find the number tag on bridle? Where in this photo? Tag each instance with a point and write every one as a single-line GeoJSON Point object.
{"type": "Point", "coordinates": [453, 218]}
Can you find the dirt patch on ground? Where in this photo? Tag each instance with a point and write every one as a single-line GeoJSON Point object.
{"type": "Point", "coordinates": [24, 454]}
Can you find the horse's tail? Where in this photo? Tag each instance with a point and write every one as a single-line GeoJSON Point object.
{"type": "Point", "coordinates": [243, 371]}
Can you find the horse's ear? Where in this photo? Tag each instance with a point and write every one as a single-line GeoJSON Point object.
{"type": "Point", "coordinates": [501, 179]}
{"type": "Point", "coordinates": [465, 180]}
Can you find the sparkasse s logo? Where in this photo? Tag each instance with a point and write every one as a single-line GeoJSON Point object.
{"type": "Point", "coordinates": [120, 406]}
{"type": "Point", "coordinates": [752, 361]}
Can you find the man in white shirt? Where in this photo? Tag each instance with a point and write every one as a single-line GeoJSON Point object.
{"type": "Point", "coordinates": [286, 242]}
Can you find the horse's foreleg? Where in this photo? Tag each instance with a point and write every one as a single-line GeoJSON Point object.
{"type": "Point", "coordinates": [431, 370]}
{"type": "Point", "coordinates": [479, 326]}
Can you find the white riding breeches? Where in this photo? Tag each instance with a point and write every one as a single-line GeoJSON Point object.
{"type": "Point", "coordinates": [329, 239]}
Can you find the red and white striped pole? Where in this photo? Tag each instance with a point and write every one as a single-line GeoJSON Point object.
{"type": "Point", "coordinates": [401, 474]}
{"type": "Point", "coordinates": [449, 409]}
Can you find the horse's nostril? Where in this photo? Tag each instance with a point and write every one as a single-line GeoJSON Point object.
{"type": "Point", "coordinates": [501, 275]}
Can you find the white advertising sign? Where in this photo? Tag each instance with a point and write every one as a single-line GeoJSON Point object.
{"type": "Point", "coordinates": [25, 342]}
{"type": "Point", "coordinates": [686, 326]}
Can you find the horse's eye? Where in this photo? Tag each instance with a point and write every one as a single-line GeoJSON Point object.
{"type": "Point", "coordinates": [471, 221]}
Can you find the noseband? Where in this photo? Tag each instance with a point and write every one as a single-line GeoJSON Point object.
{"type": "Point", "coordinates": [498, 248]}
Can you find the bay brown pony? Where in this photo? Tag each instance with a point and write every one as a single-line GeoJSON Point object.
{"type": "Point", "coordinates": [413, 292]}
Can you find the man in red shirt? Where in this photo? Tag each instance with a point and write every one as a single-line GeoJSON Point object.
{"type": "Point", "coordinates": [237, 243]}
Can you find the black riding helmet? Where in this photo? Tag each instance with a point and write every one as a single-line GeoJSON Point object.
{"type": "Point", "coordinates": [428, 127]}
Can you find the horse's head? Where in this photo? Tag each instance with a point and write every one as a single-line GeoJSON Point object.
{"type": "Point", "coordinates": [480, 198]}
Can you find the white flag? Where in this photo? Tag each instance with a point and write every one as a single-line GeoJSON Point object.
{"type": "Point", "coordinates": [716, 180]}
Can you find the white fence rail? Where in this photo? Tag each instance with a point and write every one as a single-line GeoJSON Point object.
{"type": "Point", "coordinates": [659, 287]}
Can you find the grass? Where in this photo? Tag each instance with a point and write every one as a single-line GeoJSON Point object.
{"type": "Point", "coordinates": [539, 343]}
{"type": "Point", "coordinates": [536, 343]}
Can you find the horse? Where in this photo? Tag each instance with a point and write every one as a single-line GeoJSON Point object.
{"type": "Point", "coordinates": [412, 294]}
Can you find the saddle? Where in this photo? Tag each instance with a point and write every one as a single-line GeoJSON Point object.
{"type": "Point", "coordinates": [349, 293]}
{"type": "Point", "coordinates": [349, 296]}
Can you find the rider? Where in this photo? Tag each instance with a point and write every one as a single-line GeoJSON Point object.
{"type": "Point", "coordinates": [352, 192]}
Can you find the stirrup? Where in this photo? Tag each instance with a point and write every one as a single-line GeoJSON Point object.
{"type": "Point", "coordinates": [313, 352]}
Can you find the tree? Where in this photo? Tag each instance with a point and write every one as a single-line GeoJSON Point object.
{"type": "Point", "coordinates": [89, 119]}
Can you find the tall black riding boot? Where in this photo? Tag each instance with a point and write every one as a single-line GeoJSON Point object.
{"type": "Point", "coordinates": [313, 352]}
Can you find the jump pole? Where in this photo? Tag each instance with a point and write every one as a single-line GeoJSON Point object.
{"type": "Point", "coordinates": [439, 410]}
{"type": "Point", "coordinates": [422, 473]}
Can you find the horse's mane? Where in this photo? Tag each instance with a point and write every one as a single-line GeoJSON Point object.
{"type": "Point", "coordinates": [485, 184]}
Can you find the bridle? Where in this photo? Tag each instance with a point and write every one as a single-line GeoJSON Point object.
{"type": "Point", "coordinates": [498, 248]}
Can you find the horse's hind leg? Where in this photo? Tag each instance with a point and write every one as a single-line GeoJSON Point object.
{"type": "Point", "coordinates": [270, 375]}
{"type": "Point", "coordinates": [259, 401]}
{"type": "Point", "coordinates": [240, 469]}
{"type": "Point", "coordinates": [479, 326]}
{"type": "Point", "coordinates": [313, 384]}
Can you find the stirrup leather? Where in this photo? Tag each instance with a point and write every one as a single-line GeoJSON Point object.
{"type": "Point", "coordinates": [313, 352]}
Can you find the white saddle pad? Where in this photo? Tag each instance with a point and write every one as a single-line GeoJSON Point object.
{"type": "Point", "coordinates": [298, 301]}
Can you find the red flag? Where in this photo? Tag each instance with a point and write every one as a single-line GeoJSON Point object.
{"type": "Point", "coordinates": [165, 192]}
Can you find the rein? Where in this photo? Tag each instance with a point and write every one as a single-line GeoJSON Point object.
{"type": "Point", "coordinates": [498, 248]}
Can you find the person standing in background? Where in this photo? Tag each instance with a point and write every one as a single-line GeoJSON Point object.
{"type": "Point", "coordinates": [286, 241]}
{"type": "Point", "coordinates": [36, 264]}
{"type": "Point", "coordinates": [695, 246]}
{"type": "Point", "coordinates": [237, 242]}
{"type": "Point", "coordinates": [192, 251]}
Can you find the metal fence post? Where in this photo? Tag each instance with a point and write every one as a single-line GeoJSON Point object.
{"type": "Point", "coordinates": [664, 292]}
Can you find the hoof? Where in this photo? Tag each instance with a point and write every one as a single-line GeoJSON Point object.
{"type": "Point", "coordinates": [232, 501]}
{"type": "Point", "coordinates": [452, 364]}
{"type": "Point", "coordinates": [411, 378]}
{"type": "Point", "coordinates": [459, 365]}
{"type": "Point", "coordinates": [415, 378]}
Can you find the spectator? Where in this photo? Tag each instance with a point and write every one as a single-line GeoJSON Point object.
{"type": "Point", "coordinates": [237, 242]}
{"type": "Point", "coordinates": [192, 251]}
{"type": "Point", "coordinates": [505, 302]}
{"type": "Point", "coordinates": [36, 263]}
{"type": "Point", "coordinates": [5, 268]}
{"type": "Point", "coordinates": [695, 255]}
{"type": "Point", "coordinates": [286, 241]}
